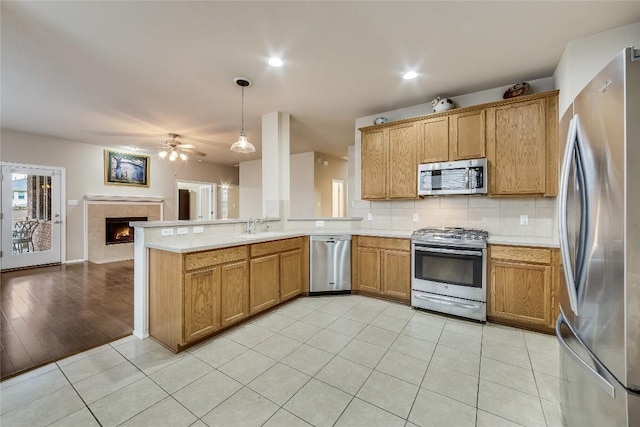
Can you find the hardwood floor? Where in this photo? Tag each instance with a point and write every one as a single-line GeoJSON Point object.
{"type": "Point", "coordinates": [49, 313]}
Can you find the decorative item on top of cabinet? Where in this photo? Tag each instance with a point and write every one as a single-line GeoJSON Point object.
{"type": "Point", "coordinates": [522, 286]}
{"type": "Point", "coordinates": [381, 266]}
{"type": "Point", "coordinates": [389, 163]}
{"type": "Point", "coordinates": [522, 147]}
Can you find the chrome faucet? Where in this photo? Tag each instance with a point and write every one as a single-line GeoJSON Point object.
{"type": "Point", "coordinates": [248, 225]}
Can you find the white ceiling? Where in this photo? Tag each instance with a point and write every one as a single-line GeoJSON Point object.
{"type": "Point", "coordinates": [91, 71]}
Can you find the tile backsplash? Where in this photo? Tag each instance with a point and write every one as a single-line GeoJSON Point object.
{"type": "Point", "coordinates": [497, 216]}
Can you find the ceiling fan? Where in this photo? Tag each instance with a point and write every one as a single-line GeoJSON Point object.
{"type": "Point", "coordinates": [174, 148]}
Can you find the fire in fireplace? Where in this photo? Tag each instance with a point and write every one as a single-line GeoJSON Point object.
{"type": "Point", "coordinates": [117, 230]}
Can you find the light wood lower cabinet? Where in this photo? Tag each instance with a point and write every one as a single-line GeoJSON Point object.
{"type": "Point", "coordinates": [522, 286]}
{"type": "Point", "coordinates": [292, 267]}
{"type": "Point", "coordinates": [234, 292]}
{"type": "Point", "coordinates": [265, 283]}
{"type": "Point", "coordinates": [277, 272]}
{"type": "Point", "coordinates": [193, 295]}
{"type": "Point", "coordinates": [382, 267]}
{"type": "Point", "coordinates": [201, 303]}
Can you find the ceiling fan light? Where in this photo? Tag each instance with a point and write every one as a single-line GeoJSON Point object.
{"type": "Point", "coordinates": [183, 156]}
{"type": "Point", "coordinates": [163, 154]}
{"type": "Point", "coordinates": [242, 145]}
{"type": "Point", "coordinates": [173, 155]}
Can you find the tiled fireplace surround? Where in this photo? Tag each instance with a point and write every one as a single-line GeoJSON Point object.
{"type": "Point", "coordinates": [98, 251]}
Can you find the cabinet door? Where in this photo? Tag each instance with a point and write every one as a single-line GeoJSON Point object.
{"type": "Point", "coordinates": [369, 269]}
{"type": "Point", "coordinates": [396, 274]}
{"type": "Point", "coordinates": [434, 140]}
{"type": "Point", "coordinates": [234, 292]}
{"type": "Point", "coordinates": [520, 292]}
{"type": "Point", "coordinates": [265, 283]}
{"type": "Point", "coordinates": [516, 148]}
{"type": "Point", "coordinates": [374, 158]}
{"type": "Point", "coordinates": [467, 133]}
{"type": "Point", "coordinates": [402, 172]}
{"type": "Point", "coordinates": [290, 274]}
{"type": "Point", "coordinates": [201, 303]}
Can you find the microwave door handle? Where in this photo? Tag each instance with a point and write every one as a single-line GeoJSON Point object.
{"type": "Point", "coordinates": [562, 216]}
{"type": "Point", "coordinates": [448, 251]}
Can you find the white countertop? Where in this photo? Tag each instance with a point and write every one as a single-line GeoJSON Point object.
{"type": "Point", "coordinates": [547, 242]}
{"type": "Point", "coordinates": [180, 244]}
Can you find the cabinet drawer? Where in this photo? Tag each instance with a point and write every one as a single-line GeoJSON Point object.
{"type": "Point", "coordinates": [513, 253]}
{"type": "Point", "coordinates": [385, 243]}
{"type": "Point", "coordinates": [209, 258]}
{"type": "Point", "coordinates": [260, 249]}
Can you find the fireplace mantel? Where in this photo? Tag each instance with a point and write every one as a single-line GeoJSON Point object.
{"type": "Point", "coordinates": [121, 198]}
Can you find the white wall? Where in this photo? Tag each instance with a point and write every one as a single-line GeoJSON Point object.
{"type": "Point", "coordinates": [250, 188]}
{"type": "Point", "coordinates": [583, 58]}
{"type": "Point", "coordinates": [84, 164]}
{"type": "Point", "coordinates": [301, 179]}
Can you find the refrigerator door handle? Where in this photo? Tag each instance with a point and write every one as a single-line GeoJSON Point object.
{"type": "Point", "coordinates": [562, 215]}
{"type": "Point", "coordinates": [584, 179]}
{"type": "Point", "coordinates": [598, 379]}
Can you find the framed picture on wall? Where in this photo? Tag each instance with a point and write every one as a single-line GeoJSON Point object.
{"type": "Point", "coordinates": [126, 169]}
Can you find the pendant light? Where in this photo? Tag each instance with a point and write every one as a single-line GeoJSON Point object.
{"type": "Point", "coordinates": [242, 145]}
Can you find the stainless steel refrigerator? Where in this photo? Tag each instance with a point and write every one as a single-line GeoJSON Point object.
{"type": "Point", "coordinates": [599, 218]}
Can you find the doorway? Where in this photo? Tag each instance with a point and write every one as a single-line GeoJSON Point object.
{"type": "Point", "coordinates": [337, 198]}
{"type": "Point", "coordinates": [32, 212]}
{"type": "Point", "coordinates": [196, 200]}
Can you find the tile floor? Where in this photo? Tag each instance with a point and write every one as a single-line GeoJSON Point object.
{"type": "Point", "coordinates": [322, 361]}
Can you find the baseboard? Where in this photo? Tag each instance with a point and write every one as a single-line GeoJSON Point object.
{"type": "Point", "coordinates": [74, 261]}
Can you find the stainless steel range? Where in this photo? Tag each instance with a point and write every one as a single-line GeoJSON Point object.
{"type": "Point", "coordinates": [449, 271]}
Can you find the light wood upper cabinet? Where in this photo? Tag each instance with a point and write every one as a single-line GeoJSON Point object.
{"type": "Point", "coordinates": [523, 286]}
{"type": "Point", "coordinates": [467, 135]}
{"type": "Point", "coordinates": [389, 163]}
{"type": "Point", "coordinates": [434, 140]}
{"type": "Point", "coordinates": [265, 283]}
{"type": "Point", "coordinates": [522, 148]}
{"type": "Point", "coordinates": [201, 303]}
{"type": "Point", "coordinates": [374, 158]}
{"type": "Point", "coordinates": [402, 171]}
{"type": "Point", "coordinates": [519, 138]}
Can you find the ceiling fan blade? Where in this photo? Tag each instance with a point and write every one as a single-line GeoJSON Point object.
{"type": "Point", "coordinates": [206, 141]}
{"type": "Point", "coordinates": [133, 134]}
{"type": "Point", "coordinates": [182, 145]}
{"type": "Point", "coordinates": [191, 151]}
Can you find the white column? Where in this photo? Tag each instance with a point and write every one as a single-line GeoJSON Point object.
{"type": "Point", "coordinates": [275, 164]}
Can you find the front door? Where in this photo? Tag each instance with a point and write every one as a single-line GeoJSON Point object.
{"type": "Point", "coordinates": [31, 202]}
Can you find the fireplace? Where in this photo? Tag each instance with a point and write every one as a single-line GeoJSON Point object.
{"type": "Point", "coordinates": [117, 230]}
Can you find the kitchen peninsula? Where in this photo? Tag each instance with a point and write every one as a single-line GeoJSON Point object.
{"type": "Point", "coordinates": [215, 258]}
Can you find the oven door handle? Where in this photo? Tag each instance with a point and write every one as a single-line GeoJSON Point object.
{"type": "Point", "coordinates": [447, 251]}
{"type": "Point", "coordinates": [446, 302]}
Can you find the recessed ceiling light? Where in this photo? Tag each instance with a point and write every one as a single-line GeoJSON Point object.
{"type": "Point", "coordinates": [275, 62]}
{"type": "Point", "coordinates": [410, 75]}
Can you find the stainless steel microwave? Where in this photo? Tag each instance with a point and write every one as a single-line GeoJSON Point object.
{"type": "Point", "coordinates": [460, 177]}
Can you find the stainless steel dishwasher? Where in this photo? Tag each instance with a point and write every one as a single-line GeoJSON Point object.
{"type": "Point", "coordinates": [330, 269]}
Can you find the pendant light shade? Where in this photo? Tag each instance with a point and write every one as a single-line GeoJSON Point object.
{"type": "Point", "coordinates": [242, 145]}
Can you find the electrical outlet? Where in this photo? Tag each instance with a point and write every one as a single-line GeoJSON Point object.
{"type": "Point", "coordinates": [198, 229]}
{"type": "Point", "coordinates": [415, 217]}
{"type": "Point", "coordinates": [319, 223]}
{"type": "Point", "coordinates": [182, 230]}
{"type": "Point", "coordinates": [72, 202]}
{"type": "Point", "coordinates": [166, 232]}
{"type": "Point", "coordinates": [369, 217]}
{"type": "Point", "coordinates": [524, 219]}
